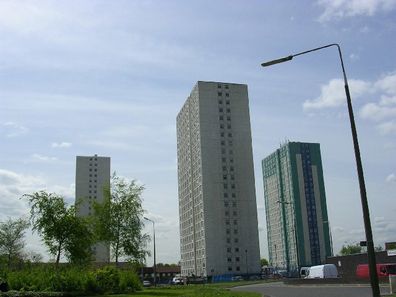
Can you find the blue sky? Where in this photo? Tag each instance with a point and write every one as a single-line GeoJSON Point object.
{"type": "Point", "coordinates": [109, 77]}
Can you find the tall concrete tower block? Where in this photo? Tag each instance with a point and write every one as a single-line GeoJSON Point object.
{"type": "Point", "coordinates": [92, 177]}
{"type": "Point", "coordinates": [217, 199]}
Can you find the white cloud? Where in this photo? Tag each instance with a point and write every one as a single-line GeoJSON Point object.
{"type": "Point", "coordinates": [12, 129]}
{"type": "Point", "coordinates": [391, 178]}
{"type": "Point", "coordinates": [387, 83]}
{"type": "Point", "coordinates": [14, 185]}
{"type": "Point", "coordinates": [338, 9]}
{"type": "Point", "coordinates": [333, 94]}
{"type": "Point", "coordinates": [387, 128]}
{"type": "Point", "coordinates": [385, 108]}
{"type": "Point", "coordinates": [41, 158]}
{"type": "Point", "coordinates": [354, 57]}
{"type": "Point", "coordinates": [376, 112]}
{"type": "Point", "coordinates": [61, 144]}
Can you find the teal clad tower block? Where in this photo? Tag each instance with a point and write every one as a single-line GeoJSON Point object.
{"type": "Point", "coordinates": [295, 204]}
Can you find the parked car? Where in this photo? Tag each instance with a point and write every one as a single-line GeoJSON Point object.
{"type": "Point", "coordinates": [177, 280]}
{"type": "Point", "coordinates": [383, 270]}
{"type": "Point", "coordinates": [323, 271]}
{"type": "Point", "coordinates": [146, 283]}
{"type": "Point", "coordinates": [237, 278]}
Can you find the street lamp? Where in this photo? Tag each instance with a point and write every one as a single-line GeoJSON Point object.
{"type": "Point", "coordinates": [155, 266]}
{"type": "Point", "coordinates": [363, 195]}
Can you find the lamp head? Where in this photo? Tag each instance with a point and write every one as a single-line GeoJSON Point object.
{"type": "Point", "coordinates": [277, 61]}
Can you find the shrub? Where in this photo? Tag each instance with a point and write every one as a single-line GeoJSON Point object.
{"type": "Point", "coordinates": [73, 279]}
{"type": "Point", "coordinates": [129, 282]}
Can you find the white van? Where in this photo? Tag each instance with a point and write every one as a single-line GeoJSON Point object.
{"type": "Point", "coordinates": [323, 271]}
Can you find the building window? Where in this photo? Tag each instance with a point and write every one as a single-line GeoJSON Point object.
{"type": "Point", "coordinates": [219, 93]}
{"type": "Point", "coordinates": [219, 86]}
{"type": "Point", "coordinates": [229, 268]}
{"type": "Point", "coordinates": [236, 250]}
{"type": "Point", "coordinates": [228, 250]}
{"type": "Point", "coordinates": [229, 260]}
{"type": "Point", "coordinates": [237, 259]}
{"type": "Point", "coordinates": [221, 118]}
{"type": "Point", "coordinates": [238, 268]}
{"type": "Point", "coordinates": [227, 95]}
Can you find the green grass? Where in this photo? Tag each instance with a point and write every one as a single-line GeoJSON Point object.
{"type": "Point", "coordinates": [217, 290]}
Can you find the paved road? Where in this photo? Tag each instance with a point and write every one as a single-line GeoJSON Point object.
{"type": "Point", "coordinates": [282, 290]}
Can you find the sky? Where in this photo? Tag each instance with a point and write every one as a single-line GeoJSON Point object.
{"type": "Point", "coordinates": [109, 77]}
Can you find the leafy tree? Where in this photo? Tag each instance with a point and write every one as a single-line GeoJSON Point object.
{"type": "Point", "coordinates": [263, 262]}
{"type": "Point", "coordinates": [12, 242]}
{"type": "Point", "coordinates": [119, 219]}
{"type": "Point", "coordinates": [378, 248]}
{"type": "Point", "coordinates": [59, 227]}
{"type": "Point", "coordinates": [33, 257]}
{"type": "Point", "coordinates": [351, 249]}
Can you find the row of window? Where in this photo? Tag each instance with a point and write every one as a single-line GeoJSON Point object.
{"type": "Point", "coordinates": [219, 86]}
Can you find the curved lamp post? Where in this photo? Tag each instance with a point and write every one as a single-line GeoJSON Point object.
{"type": "Point", "coordinates": [155, 265]}
{"type": "Point", "coordinates": [363, 195]}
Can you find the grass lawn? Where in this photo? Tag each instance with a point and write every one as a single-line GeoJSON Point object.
{"type": "Point", "coordinates": [218, 290]}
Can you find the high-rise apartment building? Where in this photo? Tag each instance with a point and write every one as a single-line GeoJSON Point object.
{"type": "Point", "coordinates": [217, 200]}
{"type": "Point", "coordinates": [295, 203]}
{"type": "Point", "coordinates": [92, 177]}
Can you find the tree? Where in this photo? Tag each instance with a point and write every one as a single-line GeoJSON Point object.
{"type": "Point", "coordinates": [59, 227]}
{"type": "Point", "coordinates": [378, 248]}
{"type": "Point", "coordinates": [119, 219]}
{"type": "Point", "coordinates": [263, 262]}
{"type": "Point", "coordinates": [12, 242]}
{"type": "Point", "coordinates": [350, 249]}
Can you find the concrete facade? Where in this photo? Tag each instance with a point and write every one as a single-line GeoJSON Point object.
{"type": "Point", "coordinates": [217, 200]}
{"type": "Point", "coordinates": [92, 177]}
{"type": "Point", "coordinates": [295, 202]}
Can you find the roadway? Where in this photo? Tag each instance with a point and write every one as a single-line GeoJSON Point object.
{"type": "Point", "coordinates": [279, 289]}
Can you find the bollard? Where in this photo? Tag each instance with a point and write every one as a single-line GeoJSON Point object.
{"type": "Point", "coordinates": [392, 283]}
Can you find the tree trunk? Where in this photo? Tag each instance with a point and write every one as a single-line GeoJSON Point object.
{"type": "Point", "coordinates": [58, 256]}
